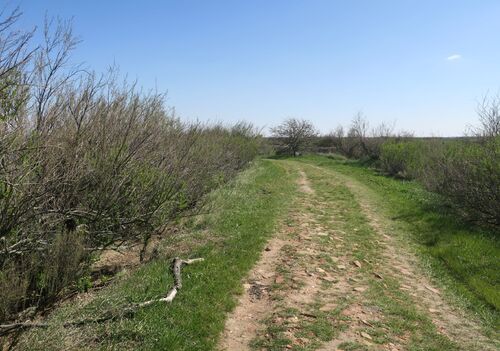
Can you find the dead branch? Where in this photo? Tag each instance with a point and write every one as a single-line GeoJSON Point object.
{"type": "Point", "coordinates": [127, 311]}
{"type": "Point", "coordinates": [177, 264]}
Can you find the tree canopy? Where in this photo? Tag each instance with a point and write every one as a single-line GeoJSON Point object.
{"type": "Point", "coordinates": [294, 134]}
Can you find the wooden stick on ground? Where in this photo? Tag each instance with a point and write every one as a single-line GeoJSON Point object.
{"type": "Point", "coordinates": [128, 311]}
{"type": "Point", "coordinates": [177, 264]}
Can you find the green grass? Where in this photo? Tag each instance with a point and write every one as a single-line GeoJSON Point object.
{"type": "Point", "coordinates": [245, 215]}
{"type": "Point", "coordinates": [465, 257]}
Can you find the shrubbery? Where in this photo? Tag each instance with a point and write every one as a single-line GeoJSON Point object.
{"type": "Point", "coordinates": [468, 174]}
{"type": "Point", "coordinates": [361, 141]}
{"type": "Point", "coordinates": [87, 163]}
{"type": "Point", "coordinates": [465, 171]}
{"type": "Point", "coordinates": [404, 159]}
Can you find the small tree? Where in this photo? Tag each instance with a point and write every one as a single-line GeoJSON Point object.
{"type": "Point", "coordinates": [294, 134]}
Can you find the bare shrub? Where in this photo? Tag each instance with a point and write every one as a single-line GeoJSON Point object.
{"type": "Point", "coordinates": [361, 140]}
{"type": "Point", "coordinates": [488, 111]}
{"type": "Point", "coordinates": [465, 171]}
{"type": "Point", "coordinates": [337, 138]}
{"type": "Point", "coordinates": [344, 143]}
{"type": "Point", "coordinates": [88, 163]}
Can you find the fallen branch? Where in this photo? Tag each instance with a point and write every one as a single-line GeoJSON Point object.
{"type": "Point", "coordinates": [177, 264]}
{"type": "Point", "coordinates": [127, 311]}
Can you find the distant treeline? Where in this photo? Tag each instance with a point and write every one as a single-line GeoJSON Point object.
{"type": "Point", "coordinates": [89, 163]}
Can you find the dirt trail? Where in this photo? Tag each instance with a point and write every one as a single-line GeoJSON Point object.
{"type": "Point", "coordinates": [242, 325]}
{"type": "Point", "coordinates": [245, 322]}
{"type": "Point", "coordinates": [310, 289]}
{"type": "Point", "coordinates": [399, 262]}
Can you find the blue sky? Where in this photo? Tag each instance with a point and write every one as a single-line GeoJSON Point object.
{"type": "Point", "coordinates": [422, 64]}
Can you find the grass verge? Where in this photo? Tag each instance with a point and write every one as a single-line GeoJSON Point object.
{"type": "Point", "coordinates": [230, 239]}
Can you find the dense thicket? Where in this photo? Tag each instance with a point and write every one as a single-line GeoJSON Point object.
{"type": "Point", "coordinates": [88, 163]}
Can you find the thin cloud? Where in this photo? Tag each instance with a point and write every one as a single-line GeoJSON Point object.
{"type": "Point", "coordinates": [454, 57]}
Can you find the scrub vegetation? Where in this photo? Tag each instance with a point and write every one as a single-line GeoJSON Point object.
{"type": "Point", "coordinates": [89, 163]}
{"type": "Point", "coordinates": [465, 171]}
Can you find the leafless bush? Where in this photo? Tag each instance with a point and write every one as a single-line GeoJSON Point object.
{"type": "Point", "coordinates": [87, 163]}
{"type": "Point", "coordinates": [361, 140]}
{"type": "Point", "coordinates": [488, 111]}
{"type": "Point", "coordinates": [337, 138]}
{"type": "Point", "coordinates": [344, 143]}
{"type": "Point", "coordinates": [465, 171]}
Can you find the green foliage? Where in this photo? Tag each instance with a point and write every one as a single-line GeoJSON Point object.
{"type": "Point", "coordinates": [13, 95]}
{"type": "Point", "coordinates": [108, 158]}
{"type": "Point", "coordinates": [84, 283]}
{"type": "Point", "coordinates": [468, 174]}
{"type": "Point", "coordinates": [465, 172]}
{"type": "Point", "coordinates": [119, 188]}
{"type": "Point", "coordinates": [403, 159]}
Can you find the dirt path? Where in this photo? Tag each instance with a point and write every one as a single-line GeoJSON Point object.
{"type": "Point", "coordinates": [333, 278]}
{"type": "Point", "coordinates": [401, 263]}
{"type": "Point", "coordinates": [245, 322]}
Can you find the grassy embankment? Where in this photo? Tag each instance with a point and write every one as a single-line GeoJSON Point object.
{"type": "Point", "coordinates": [230, 239]}
{"type": "Point", "coordinates": [463, 256]}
